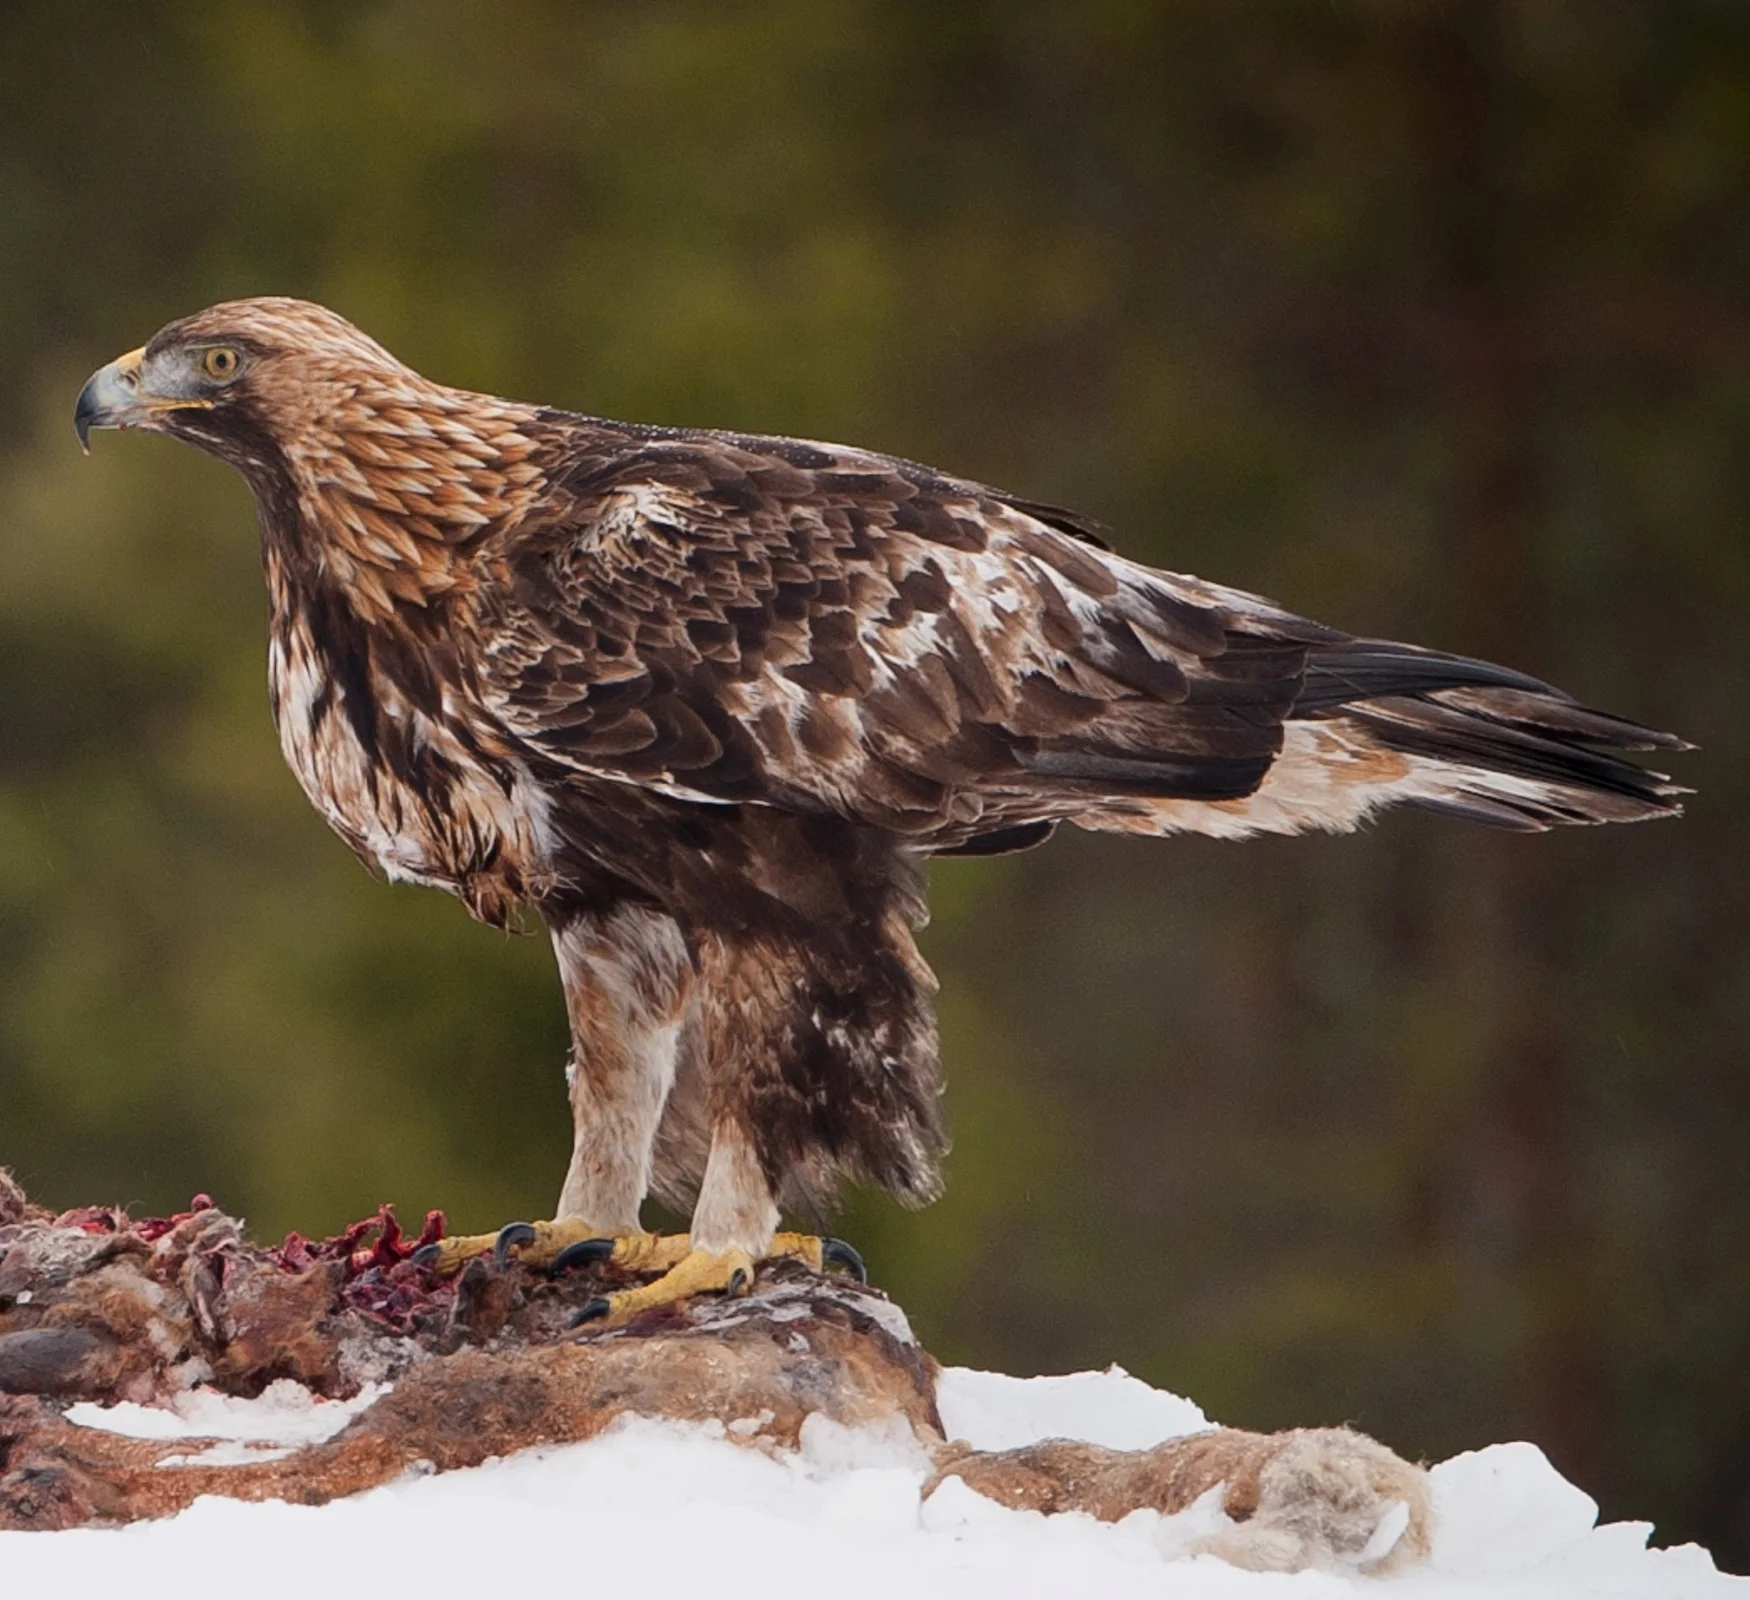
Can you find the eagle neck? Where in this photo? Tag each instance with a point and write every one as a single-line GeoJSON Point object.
{"type": "Point", "coordinates": [385, 499]}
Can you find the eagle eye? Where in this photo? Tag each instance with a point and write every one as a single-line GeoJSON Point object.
{"type": "Point", "coordinates": [221, 363]}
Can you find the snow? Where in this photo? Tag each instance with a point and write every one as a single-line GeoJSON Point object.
{"type": "Point", "coordinates": [663, 1505]}
{"type": "Point", "coordinates": [993, 1412]}
{"type": "Point", "coordinates": [285, 1417]}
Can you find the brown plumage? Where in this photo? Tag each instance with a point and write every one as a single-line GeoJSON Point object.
{"type": "Point", "coordinates": [707, 701]}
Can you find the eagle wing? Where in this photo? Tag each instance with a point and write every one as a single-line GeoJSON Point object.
{"type": "Point", "coordinates": [742, 619]}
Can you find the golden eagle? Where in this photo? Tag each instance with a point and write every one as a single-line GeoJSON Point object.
{"type": "Point", "coordinates": [707, 702]}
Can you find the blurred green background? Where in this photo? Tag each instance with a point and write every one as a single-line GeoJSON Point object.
{"type": "Point", "coordinates": [1429, 320]}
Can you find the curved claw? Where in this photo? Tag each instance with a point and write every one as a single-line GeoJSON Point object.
{"type": "Point", "coordinates": [836, 1253]}
{"type": "Point", "coordinates": [737, 1285]}
{"type": "Point", "coordinates": [426, 1255]}
{"type": "Point", "coordinates": [589, 1311]}
{"type": "Point", "coordinates": [586, 1252]}
{"type": "Point", "coordinates": [510, 1235]}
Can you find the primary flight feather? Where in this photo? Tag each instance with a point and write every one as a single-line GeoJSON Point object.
{"type": "Point", "coordinates": [706, 701]}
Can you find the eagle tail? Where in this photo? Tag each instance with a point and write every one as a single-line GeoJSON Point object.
{"type": "Point", "coordinates": [1377, 723]}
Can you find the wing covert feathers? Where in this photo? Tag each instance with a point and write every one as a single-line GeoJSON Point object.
{"type": "Point", "coordinates": [737, 619]}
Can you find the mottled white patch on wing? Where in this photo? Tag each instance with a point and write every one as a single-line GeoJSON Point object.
{"type": "Point", "coordinates": [1331, 777]}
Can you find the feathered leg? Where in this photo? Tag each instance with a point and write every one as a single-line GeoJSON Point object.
{"type": "Point", "coordinates": [628, 990]}
{"type": "Point", "coordinates": [629, 985]}
{"type": "Point", "coordinates": [760, 1003]}
{"type": "Point", "coordinates": [734, 1229]}
{"type": "Point", "coordinates": [734, 1224]}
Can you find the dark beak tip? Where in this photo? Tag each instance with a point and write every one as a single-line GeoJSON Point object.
{"type": "Point", "coordinates": [85, 410]}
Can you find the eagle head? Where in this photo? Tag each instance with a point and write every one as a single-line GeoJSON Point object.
{"type": "Point", "coordinates": [353, 456]}
{"type": "Point", "coordinates": [237, 377]}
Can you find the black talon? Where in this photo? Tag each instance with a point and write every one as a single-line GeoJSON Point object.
{"type": "Point", "coordinates": [586, 1252]}
{"type": "Point", "coordinates": [510, 1234]}
{"type": "Point", "coordinates": [426, 1255]}
{"type": "Point", "coordinates": [737, 1284]}
{"type": "Point", "coordinates": [589, 1311]}
{"type": "Point", "coordinates": [836, 1253]}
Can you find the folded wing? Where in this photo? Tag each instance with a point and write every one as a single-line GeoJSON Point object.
{"type": "Point", "coordinates": [759, 620]}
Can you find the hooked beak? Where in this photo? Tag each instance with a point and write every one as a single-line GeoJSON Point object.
{"type": "Point", "coordinates": [116, 397]}
{"type": "Point", "coordinates": [110, 398]}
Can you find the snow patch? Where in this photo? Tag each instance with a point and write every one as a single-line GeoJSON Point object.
{"type": "Point", "coordinates": [993, 1412]}
{"type": "Point", "coordinates": [1505, 1509]}
{"type": "Point", "coordinates": [667, 1507]}
{"type": "Point", "coordinates": [285, 1414]}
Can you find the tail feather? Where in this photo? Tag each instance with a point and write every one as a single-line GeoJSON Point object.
{"type": "Point", "coordinates": [1373, 669]}
{"type": "Point", "coordinates": [1552, 778]}
{"type": "Point", "coordinates": [1552, 710]}
{"type": "Point", "coordinates": [1339, 674]}
{"type": "Point", "coordinates": [1377, 724]}
{"type": "Point", "coordinates": [1503, 747]}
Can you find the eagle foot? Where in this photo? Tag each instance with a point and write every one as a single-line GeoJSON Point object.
{"type": "Point", "coordinates": [562, 1245]}
{"type": "Point", "coordinates": [535, 1244]}
{"type": "Point", "coordinates": [729, 1272]}
{"type": "Point", "coordinates": [686, 1271]}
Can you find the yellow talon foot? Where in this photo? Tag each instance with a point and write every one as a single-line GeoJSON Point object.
{"type": "Point", "coordinates": [561, 1245]}
{"type": "Point", "coordinates": [686, 1271]}
{"type": "Point", "coordinates": [817, 1253]}
{"type": "Point", "coordinates": [697, 1272]}
{"type": "Point", "coordinates": [535, 1244]}
{"type": "Point", "coordinates": [628, 1252]}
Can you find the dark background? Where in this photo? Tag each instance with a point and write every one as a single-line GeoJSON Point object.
{"type": "Point", "coordinates": [1427, 319]}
